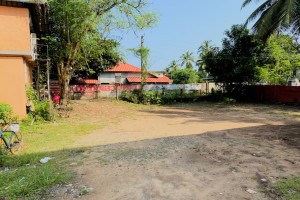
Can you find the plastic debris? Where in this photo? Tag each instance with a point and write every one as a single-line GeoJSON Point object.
{"type": "Point", "coordinates": [251, 191]}
{"type": "Point", "coordinates": [263, 180]}
{"type": "Point", "coordinates": [74, 163]}
{"type": "Point", "coordinates": [45, 160]}
{"type": "Point", "coordinates": [4, 170]}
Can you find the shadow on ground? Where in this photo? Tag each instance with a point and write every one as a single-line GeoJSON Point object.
{"type": "Point", "coordinates": [207, 112]}
{"type": "Point", "coordinates": [217, 164]}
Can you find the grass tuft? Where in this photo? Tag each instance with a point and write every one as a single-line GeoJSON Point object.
{"type": "Point", "coordinates": [290, 188]}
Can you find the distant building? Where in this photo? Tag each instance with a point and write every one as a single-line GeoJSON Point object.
{"type": "Point", "coordinates": [125, 73]}
{"type": "Point", "coordinates": [293, 82]}
{"type": "Point", "coordinates": [20, 22]}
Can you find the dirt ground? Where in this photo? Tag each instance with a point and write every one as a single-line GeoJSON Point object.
{"type": "Point", "coordinates": [183, 152]}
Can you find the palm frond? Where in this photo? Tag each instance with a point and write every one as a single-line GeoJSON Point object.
{"type": "Point", "coordinates": [246, 2]}
{"type": "Point", "coordinates": [296, 17]}
{"type": "Point", "coordinates": [261, 9]}
{"type": "Point", "coordinates": [275, 15]}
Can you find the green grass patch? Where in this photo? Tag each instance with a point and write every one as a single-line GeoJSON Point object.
{"type": "Point", "coordinates": [25, 177]}
{"type": "Point", "coordinates": [54, 136]}
{"type": "Point", "coordinates": [289, 188]}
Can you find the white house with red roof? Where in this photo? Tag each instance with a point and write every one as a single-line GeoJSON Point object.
{"type": "Point", "coordinates": [125, 73]}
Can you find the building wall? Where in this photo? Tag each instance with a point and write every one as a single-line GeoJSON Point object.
{"type": "Point", "coordinates": [15, 30]}
{"type": "Point", "coordinates": [12, 84]}
{"type": "Point", "coordinates": [109, 78]}
{"type": "Point", "coordinates": [28, 72]}
{"type": "Point", "coordinates": [15, 50]}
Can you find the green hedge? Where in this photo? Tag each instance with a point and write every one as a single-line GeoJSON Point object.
{"type": "Point", "coordinates": [158, 97]}
{"type": "Point", "coordinates": [169, 97]}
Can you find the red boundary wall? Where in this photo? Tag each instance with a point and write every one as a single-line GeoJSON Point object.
{"type": "Point", "coordinates": [100, 88]}
{"type": "Point", "coordinates": [257, 93]}
{"type": "Point", "coordinates": [278, 94]}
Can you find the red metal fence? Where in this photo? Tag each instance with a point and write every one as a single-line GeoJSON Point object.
{"type": "Point", "coordinates": [95, 91]}
{"type": "Point", "coordinates": [278, 94]}
{"type": "Point", "coordinates": [257, 93]}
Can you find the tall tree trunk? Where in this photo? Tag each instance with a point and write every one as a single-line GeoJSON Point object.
{"type": "Point", "coordinates": [64, 77]}
{"type": "Point", "coordinates": [64, 89]}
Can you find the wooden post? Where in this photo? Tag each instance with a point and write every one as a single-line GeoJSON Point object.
{"type": "Point", "coordinates": [48, 79]}
{"type": "Point", "coordinates": [37, 80]}
{"type": "Point", "coordinates": [142, 64]}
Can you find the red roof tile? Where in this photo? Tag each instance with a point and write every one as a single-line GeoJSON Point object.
{"type": "Point", "coordinates": [163, 79]}
{"type": "Point", "coordinates": [124, 67]}
{"type": "Point", "coordinates": [91, 81]}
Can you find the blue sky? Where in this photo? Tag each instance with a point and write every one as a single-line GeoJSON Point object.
{"type": "Point", "coordinates": [183, 26]}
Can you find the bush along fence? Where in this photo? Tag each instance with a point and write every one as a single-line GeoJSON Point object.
{"type": "Point", "coordinates": [93, 91]}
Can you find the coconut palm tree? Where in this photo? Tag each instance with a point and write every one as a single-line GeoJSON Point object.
{"type": "Point", "coordinates": [275, 15]}
{"type": "Point", "coordinates": [203, 50]}
{"type": "Point", "coordinates": [187, 59]}
{"type": "Point", "coordinates": [173, 67]}
{"type": "Point", "coordinates": [205, 47]}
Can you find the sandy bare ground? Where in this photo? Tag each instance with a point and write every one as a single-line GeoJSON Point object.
{"type": "Point", "coordinates": [197, 151]}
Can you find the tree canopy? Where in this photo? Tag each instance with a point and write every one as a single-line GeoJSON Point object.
{"type": "Point", "coordinates": [275, 15]}
{"type": "Point", "coordinates": [235, 63]}
{"type": "Point", "coordinates": [77, 29]}
{"type": "Point", "coordinates": [281, 60]}
{"type": "Point", "coordinates": [185, 76]}
{"type": "Point", "coordinates": [181, 76]}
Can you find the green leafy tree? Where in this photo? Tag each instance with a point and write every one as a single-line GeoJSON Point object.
{"type": "Point", "coordinates": [282, 60]}
{"type": "Point", "coordinates": [106, 56]}
{"type": "Point", "coordinates": [234, 64]}
{"type": "Point", "coordinates": [275, 15]}
{"type": "Point", "coordinates": [185, 76]}
{"type": "Point", "coordinates": [173, 67]}
{"type": "Point", "coordinates": [181, 76]}
{"type": "Point", "coordinates": [77, 28]}
{"type": "Point", "coordinates": [187, 60]}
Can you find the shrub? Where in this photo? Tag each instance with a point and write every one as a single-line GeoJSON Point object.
{"type": "Point", "coordinates": [5, 116]}
{"type": "Point", "coordinates": [5, 112]}
{"type": "Point", "coordinates": [129, 96]}
{"type": "Point", "coordinates": [229, 100]}
{"type": "Point", "coordinates": [42, 107]}
{"type": "Point", "coordinates": [42, 110]}
{"type": "Point", "coordinates": [151, 97]}
{"type": "Point", "coordinates": [157, 97]}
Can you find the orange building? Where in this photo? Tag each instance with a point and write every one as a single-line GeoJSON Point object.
{"type": "Point", "coordinates": [20, 23]}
